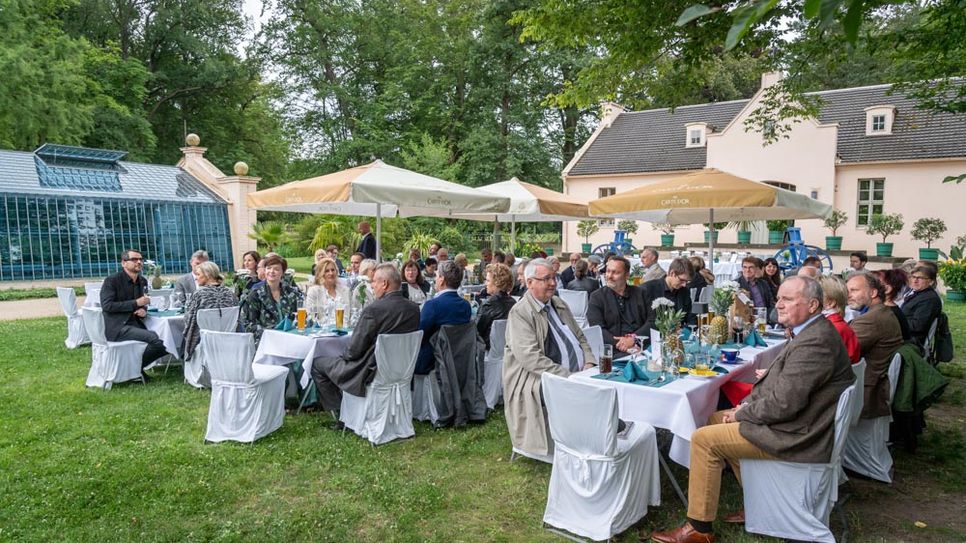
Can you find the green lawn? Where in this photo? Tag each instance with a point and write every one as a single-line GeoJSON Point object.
{"type": "Point", "coordinates": [130, 464]}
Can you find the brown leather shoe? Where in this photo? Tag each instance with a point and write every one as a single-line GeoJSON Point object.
{"type": "Point", "coordinates": [738, 517]}
{"type": "Point", "coordinates": [684, 534]}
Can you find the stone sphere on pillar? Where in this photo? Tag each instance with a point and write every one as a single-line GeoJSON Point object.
{"type": "Point", "coordinates": [241, 168]}
{"type": "Point", "coordinates": [192, 139]}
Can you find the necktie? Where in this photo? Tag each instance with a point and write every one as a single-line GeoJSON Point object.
{"type": "Point", "coordinates": [571, 354]}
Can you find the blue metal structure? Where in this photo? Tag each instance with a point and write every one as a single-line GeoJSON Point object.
{"type": "Point", "coordinates": [620, 246]}
{"type": "Point", "coordinates": [68, 212]}
{"type": "Point", "coordinates": [795, 251]}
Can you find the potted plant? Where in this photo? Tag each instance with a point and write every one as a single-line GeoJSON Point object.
{"type": "Point", "coordinates": [718, 227]}
{"type": "Point", "coordinates": [776, 231]}
{"type": "Point", "coordinates": [744, 230]}
{"type": "Point", "coordinates": [953, 274]}
{"type": "Point", "coordinates": [833, 222]}
{"type": "Point", "coordinates": [585, 229]}
{"type": "Point", "coordinates": [628, 226]}
{"type": "Point", "coordinates": [667, 233]}
{"type": "Point", "coordinates": [885, 225]}
{"type": "Point", "coordinates": [928, 229]}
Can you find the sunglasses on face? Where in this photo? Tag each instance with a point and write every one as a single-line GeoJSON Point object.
{"type": "Point", "coordinates": [134, 259]}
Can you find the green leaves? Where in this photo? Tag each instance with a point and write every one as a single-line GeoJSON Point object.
{"type": "Point", "coordinates": [694, 12]}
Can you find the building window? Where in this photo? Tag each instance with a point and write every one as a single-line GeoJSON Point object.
{"type": "Point", "coordinates": [695, 134]}
{"type": "Point", "coordinates": [878, 123]}
{"type": "Point", "coordinates": [603, 193]}
{"type": "Point", "coordinates": [870, 201]}
{"type": "Point", "coordinates": [879, 120]}
{"type": "Point", "coordinates": [786, 186]}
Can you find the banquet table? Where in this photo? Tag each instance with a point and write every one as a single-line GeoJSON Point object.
{"type": "Point", "coordinates": [282, 348]}
{"type": "Point", "coordinates": [685, 404]}
{"type": "Point", "coordinates": [169, 326]}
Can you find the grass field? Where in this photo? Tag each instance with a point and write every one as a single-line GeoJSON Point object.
{"type": "Point", "coordinates": [130, 464]}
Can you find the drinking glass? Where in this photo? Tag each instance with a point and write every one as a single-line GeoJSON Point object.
{"type": "Point", "coordinates": [607, 359]}
{"type": "Point", "coordinates": [761, 318]}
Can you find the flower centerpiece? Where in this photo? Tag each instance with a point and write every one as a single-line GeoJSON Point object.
{"type": "Point", "coordinates": [721, 301]}
{"type": "Point", "coordinates": [668, 322]}
{"type": "Point", "coordinates": [153, 269]}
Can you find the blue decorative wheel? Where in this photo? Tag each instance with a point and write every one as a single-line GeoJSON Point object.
{"type": "Point", "coordinates": [620, 246]}
{"type": "Point", "coordinates": [793, 254]}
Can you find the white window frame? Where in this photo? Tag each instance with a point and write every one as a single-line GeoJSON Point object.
{"type": "Point", "coordinates": [702, 131]}
{"type": "Point", "coordinates": [886, 113]}
{"type": "Point", "coordinates": [603, 192]}
{"type": "Point", "coordinates": [866, 201]}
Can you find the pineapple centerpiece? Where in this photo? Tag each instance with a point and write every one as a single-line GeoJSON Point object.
{"type": "Point", "coordinates": [668, 322]}
{"type": "Point", "coordinates": [721, 302]}
{"type": "Point", "coordinates": [154, 269]}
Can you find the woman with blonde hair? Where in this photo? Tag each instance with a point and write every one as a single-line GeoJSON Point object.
{"type": "Point", "coordinates": [326, 292]}
{"type": "Point", "coordinates": [210, 295]}
{"type": "Point", "coordinates": [499, 283]}
{"type": "Point", "coordinates": [362, 294]}
{"type": "Point", "coordinates": [702, 275]}
{"type": "Point", "coordinates": [835, 298]}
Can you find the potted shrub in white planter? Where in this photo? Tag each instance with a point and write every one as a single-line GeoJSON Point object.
{"type": "Point", "coordinates": [885, 225]}
{"type": "Point", "coordinates": [928, 229]}
{"type": "Point", "coordinates": [833, 222]}
{"type": "Point", "coordinates": [628, 226]}
{"type": "Point", "coordinates": [667, 233]}
{"type": "Point", "coordinates": [585, 229]}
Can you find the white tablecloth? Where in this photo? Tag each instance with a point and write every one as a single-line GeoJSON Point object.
{"type": "Point", "coordinates": [277, 347]}
{"type": "Point", "coordinates": [722, 270]}
{"type": "Point", "coordinates": [169, 329]}
{"type": "Point", "coordinates": [684, 405]}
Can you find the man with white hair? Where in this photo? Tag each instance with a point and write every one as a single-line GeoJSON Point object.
{"type": "Point", "coordinates": [186, 284]}
{"type": "Point", "coordinates": [652, 270]}
{"type": "Point", "coordinates": [541, 336]}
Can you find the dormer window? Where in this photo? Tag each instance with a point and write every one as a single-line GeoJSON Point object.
{"type": "Point", "coordinates": [878, 120]}
{"type": "Point", "coordinates": [695, 133]}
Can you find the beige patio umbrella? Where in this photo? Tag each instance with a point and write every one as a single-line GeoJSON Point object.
{"type": "Point", "coordinates": [377, 189]}
{"type": "Point", "coordinates": [706, 196]}
{"type": "Point", "coordinates": [530, 203]}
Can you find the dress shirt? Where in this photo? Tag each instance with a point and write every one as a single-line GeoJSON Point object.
{"type": "Point", "coordinates": [798, 329]}
{"type": "Point", "coordinates": [567, 332]}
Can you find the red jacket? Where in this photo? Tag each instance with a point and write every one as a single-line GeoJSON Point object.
{"type": "Point", "coordinates": [848, 337]}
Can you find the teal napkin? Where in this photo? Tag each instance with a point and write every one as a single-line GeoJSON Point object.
{"type": "Point", "coordinates": [633, 372]}
{"type": "Point", "coordinates": [754, 340]}
{"type": "Point", "coordinates": [685, 334]}
{"type": "Point", "coordinates": [285, 325]}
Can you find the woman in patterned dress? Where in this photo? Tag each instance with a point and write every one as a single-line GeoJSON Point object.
{"type": "Point", "coordinates": [267, 305]}
{"type": "Point", "coordinates": [210, 295]}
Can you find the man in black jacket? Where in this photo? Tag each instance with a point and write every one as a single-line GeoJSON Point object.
{"type": "Point", "coordinates": [922, 305]}
{"type": "Point", "coordinates": [672, 286]}
{"type": "Point", "coordinates": [367, 245]}
{"type": "Point", "coordinates": [352, 371]}
{"type": "Point", "coordinates": [124, 306]}
{"type": "Point", "coordinates": [751, 271]}
{"type": "Point", "coordinates": [619, 309]}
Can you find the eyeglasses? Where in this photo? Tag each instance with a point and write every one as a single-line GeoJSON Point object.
{"type": "Point", "coordinates": [134, 259]}
{"type": "Point", "coordinates": [547, 278]}
{"type": "Point", "coordinates": [919, 278]}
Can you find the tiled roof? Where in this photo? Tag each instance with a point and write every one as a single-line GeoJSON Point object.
{"type": "Point", "coordinates": [18, 174]}
{"type": "Point", "coordinates": [654, 140]}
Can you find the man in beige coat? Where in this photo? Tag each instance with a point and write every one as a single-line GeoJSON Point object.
{"type": "Point", "coordinates": [541, 336]}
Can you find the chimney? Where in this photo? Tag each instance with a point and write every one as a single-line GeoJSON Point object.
{"type": "Point", "coordinates": [770, 78]}
{"type": "Point", "coordinates": [609, 112]}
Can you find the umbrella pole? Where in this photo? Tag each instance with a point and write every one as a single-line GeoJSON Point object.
{"type": "Point", "coordinates": [378, 233]}
{"type": "Point", "coordinates": [495, 244]}
{"type": "Point", "coordinates": [711, 241]}
{"type": "Point", "coordinates": [513, 235]}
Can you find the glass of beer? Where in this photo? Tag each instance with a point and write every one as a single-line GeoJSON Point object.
{"type": "Point", "coordinates": [607, 359]}
{"type": "Point", "coordinates": [300, 316]}
{"type": "Point", "coordinates": [339, 316]}
{"type": "Point", "coordinates": [761, 319]}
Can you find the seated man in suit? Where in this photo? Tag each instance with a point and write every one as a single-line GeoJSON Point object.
{"type": "Point", "coordinates": [879, 335]}
{"type": "Point", "coordinates": [674, 287]}
{"type": "Point", "coordinates": [124, 305]}
{"type": "Point", "coordinates": [541, 336]}
{"type": "Point", "coordinates": [447, 307]}
{"type": "Point", "coordinates": [568, 275]}
{"type": "Point", "coordinates": [789, 415]}
{"type": "Point", "coordinates": [618, 308]}
{"type": "Point", "coordinates": [922, 305]}
{"type": "Point", "coordinates": [355, 368]}
{"type": "Point", "coordinates": [187, 284]}
{"type": "Point", "coordinates": [752, 272]}
{"type": "Point", "coordinates": [651, 269]}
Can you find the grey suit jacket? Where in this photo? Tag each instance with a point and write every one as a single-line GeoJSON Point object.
{"type": "Point", "coordinates": [185, 285]}
{"type": "Point", "coordinates": [790, 412]}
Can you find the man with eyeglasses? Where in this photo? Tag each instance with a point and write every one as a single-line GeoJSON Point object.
{"type": "Point", "coordinates": [568, 275]}
{"type": "Point", "coordinates": [619, 309]}
{"type": "Point", "coordinates": [541, 336]}
{"type": "Point", "coordinates": [922, 305]}
{"type": "Point", "coordinates": [673, 286]}
{"type": "Point", "coordinates": [124, 305]}
{"type": "Point", "coordinates": [751, 272]}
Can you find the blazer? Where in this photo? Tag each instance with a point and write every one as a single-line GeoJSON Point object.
{"type": "Point", "coordinates": [879, 338]}
{"type": "Point", "coordinates": [117, 308]}
{"type": "Point", "coordinates": [405, 289]}
{"type": "Point", "coordinates": [603, 311]}
{"type": "Point", "coordinates": [790, 413]}
{"type": "Point", "coordinates": [765, 290]}
{"type": "Point", "coordinates": [355, 368]}
{"type": "Point", "coordinates": [524, 362]}
{"type": "Point", "coordinates": [567, 276]}
{"type": "Point", "coordinates": [586, 284]}
{"type": "Point", "coordinates": [496, 307]}
{"type": "Point", "coordinates": [921, 309]}
{"type": "Point", "coordinates": [652, 273]}
{"type": "Point", "coordinates": [185, 285]}
{"type": "Point", "coordinates": [445, 308]}
{"type": "Point", "coordinates": [367, 246]}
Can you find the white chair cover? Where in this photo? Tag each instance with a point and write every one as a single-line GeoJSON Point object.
{"type": "Point", "coordinates": [493, 365]}
{"type": "Point", "coordinates": [595, 338]}
{"type": "Point", "coordinates": [600, 485]}
{"type": "Point", "coordinates": [793, 500]}
{"type": "Point", "coordinates": [867, 450]}
{"type": "Point", "coordinates": [247, 401]}
{"type": "Point", "coordinates": [576, 300]}
{"type": "Point", "coordinates": [386, 412]}
{"type": "Point", "coordinates": [216, 320]}
{"type": "Point", "coordinates": [424, 408]}
{"type": "Point", "coordinates": [88, 287]}
{"type": "Point", "coordinates": [76, 332]}
{"type": "Point", "coordinates": [111, 361]}
{"type": "Point", "coordinates": [859, 401]}
{"type": "Point", "coordinates": [93, 297]}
